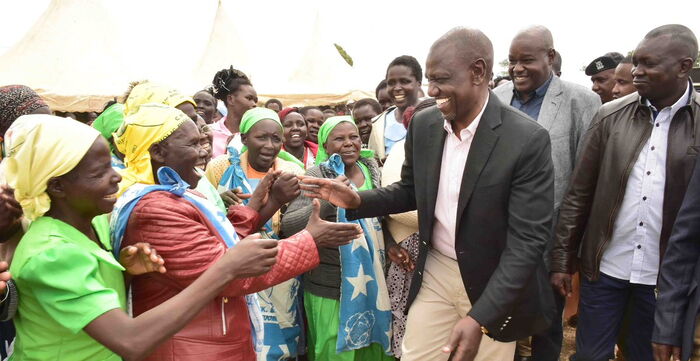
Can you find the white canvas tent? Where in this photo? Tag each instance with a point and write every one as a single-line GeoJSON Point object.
{"type": "Point", "coordinates": [79, 54]}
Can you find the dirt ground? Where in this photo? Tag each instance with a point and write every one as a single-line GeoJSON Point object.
{"type": "Point", "coordinates": [568, 347]}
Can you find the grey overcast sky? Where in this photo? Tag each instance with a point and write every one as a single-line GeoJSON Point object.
{"type": "Point", "coordinates": [276, 34]}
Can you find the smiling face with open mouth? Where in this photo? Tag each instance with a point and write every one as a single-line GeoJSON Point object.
{"type": "Point", "coordinates": [529, 63]}
{"type": "Point", "coordinates": [402, 86]}
{"type": "Point", "coordinates": [182, 151]}
{"type": "Point", "coordinates": [91, 187]}
{"type": "Point", "coordinates": [454, 82]}
{"type": "Point", "coordinates": [294, 130]}
{"type": "Point", "coordinates": [344, 139]}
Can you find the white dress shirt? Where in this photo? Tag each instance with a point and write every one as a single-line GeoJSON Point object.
{"type": "Point", "coordinates": [454, 159]}
{"type": "Point", "coordinates": [633, 251]}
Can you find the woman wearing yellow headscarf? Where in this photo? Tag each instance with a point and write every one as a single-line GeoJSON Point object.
{"type": "Point", "coordinates": [146, 92]}
{"type": "Point", "coordinates": [72, 298]}
{"type": "Point", "coordinates": [137, 134]}
{"type": "Point", "coordinates": [192, 236]}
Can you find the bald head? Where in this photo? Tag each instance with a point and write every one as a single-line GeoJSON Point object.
{"type": "Point", "coordinates": [459, 67]}
{"type": "Point", "coordinates": [468, 44]}
{"type": "Point", "coordinates": [530, 58]}
{"type": "Point", "coordinates": [537, 35]}
{"type": "Point", "coordinates": [681, 38]}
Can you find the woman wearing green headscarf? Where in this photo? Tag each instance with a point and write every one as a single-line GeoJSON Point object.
{"type": "Point", "coordinates": [107, 124]}
{"type": "Point", "coordinates": [338, 328]}
{"type": "Point", "coordinates": [262, 137]}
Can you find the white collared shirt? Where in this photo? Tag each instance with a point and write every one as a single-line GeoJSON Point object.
{"type": "Point", "coordinates": [633, 251]}
{"type": "Point", "coordinates": [454, 159]}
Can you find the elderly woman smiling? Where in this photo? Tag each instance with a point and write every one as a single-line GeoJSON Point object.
{"type": "Point", "coordinates": [346, 299]}
{"type": "Point", "coordinates": [262, 154]}
{"type": "Point", "coordinates": [191, 234]}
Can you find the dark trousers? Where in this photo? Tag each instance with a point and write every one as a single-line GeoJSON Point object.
{"type": "Point", "coordinates": [600, 312]}
{"type": "Point", "coordinates": [546, 346]}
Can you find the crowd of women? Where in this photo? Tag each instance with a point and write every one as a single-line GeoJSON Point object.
{"type": "Point", "coordinates": [173, 230]}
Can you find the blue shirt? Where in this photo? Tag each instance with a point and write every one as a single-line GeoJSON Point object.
{"type": "Point", "coordinates": [533, 105]}
{"type": "Point", "coordinates": [393, 131]}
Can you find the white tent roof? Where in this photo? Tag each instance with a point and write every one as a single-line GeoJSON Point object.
{"type": "Point", "coordinates": [78, 55]}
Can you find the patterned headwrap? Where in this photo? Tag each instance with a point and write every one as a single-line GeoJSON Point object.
{"type": "Point", "coordinates": [326, 130]}
{"type": "Point", "coordinates": [15, 101]}
{"type": "Point", "coordinates": [41, 147]}
{"type": "Point", "coordinates": [252, 117]}
{"type": "Point", "coordinates": [151, 124]}
{"type": "Point", "coordinates": [147, 92]}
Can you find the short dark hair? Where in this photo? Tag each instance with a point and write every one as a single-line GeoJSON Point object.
{"type": "Point", "coordinates": [411, 63]}
{"type": "Point", "coordinates": [626, 60]}
{"type": "Point", "coordinates": [228, 81]}
{"type": "Point", "coordinates": [209, 90]}
{"type": "Point", "coordinates": [680, 34]}
{"type": "Point", "coordinates": [304, 110]}
{"type": "Point", "coordinates": [382, 85]}
{"type": "Point", "coordinates": [273, 100]}
{"type": "Point", "coordinates": [368, 101]}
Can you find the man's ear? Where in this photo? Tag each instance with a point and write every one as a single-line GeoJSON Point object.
{"type": "Point", "coordinates": [158, 152]}
{"type": "Point", "coordinates": [55, 188]}
{"type": "Point", "coordinates": [480, 72]}
{"type": "Point", "coordinates": [551, 54]}
{"type": "Point", "coordinates": [686, 66]}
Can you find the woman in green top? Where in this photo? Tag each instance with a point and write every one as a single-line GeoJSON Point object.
{"type": "Point", "coordinates": [72, 300]}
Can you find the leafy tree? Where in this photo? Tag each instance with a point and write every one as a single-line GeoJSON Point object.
{"type": "Point", "coordinates": [504, 67]}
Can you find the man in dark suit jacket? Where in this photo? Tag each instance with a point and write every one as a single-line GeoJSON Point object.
{"type": "Point", "coordinates": [480, 175]}
{"type": "Point", "coordinates": [678, 302]}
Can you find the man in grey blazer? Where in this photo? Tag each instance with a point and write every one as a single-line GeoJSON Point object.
{"type": "Point", "coordinates": [565, 110]}
{"type": "Point", "coordinates": [480, 175]}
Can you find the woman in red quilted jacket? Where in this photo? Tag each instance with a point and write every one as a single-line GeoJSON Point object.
{"type": "Point", "coordinates": [191, 236]}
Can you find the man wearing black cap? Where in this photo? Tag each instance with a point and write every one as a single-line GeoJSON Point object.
{"type": "Point", "coordinates": [602, 73]}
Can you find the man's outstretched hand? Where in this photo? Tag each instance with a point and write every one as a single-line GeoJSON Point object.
{"type": "Point", "coordinates": [330, 234]}
{"type": "Point", "coordinates": [336, 191]}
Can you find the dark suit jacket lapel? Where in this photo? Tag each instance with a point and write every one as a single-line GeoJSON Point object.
{"type": "Point", "coordinates": [433, 161]}
{"type": "Point", "coordinates": [483, 143]}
